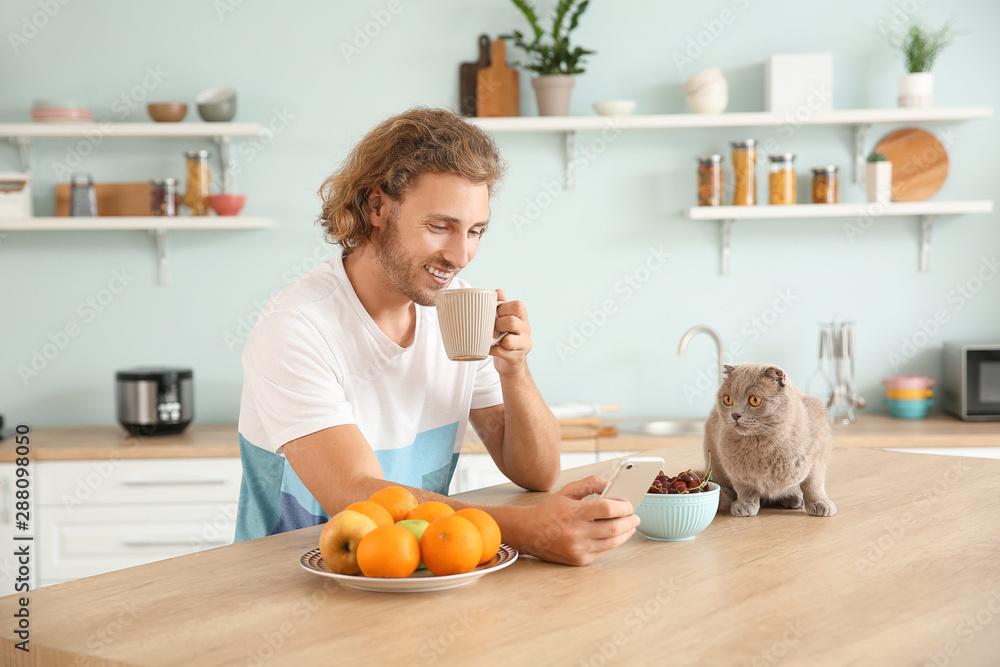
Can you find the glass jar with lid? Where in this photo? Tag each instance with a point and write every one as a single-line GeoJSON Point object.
{"type": "Point", "coordinates": [781, 181]}
{"type": "Point", "coordinates": [710, 180]}
{"type": "Point", "coordinates": [824, 185]}
{"type": "Point", "coordinates": [163, 196]}
{"type": "Point", "coordinates": [744, 176]}
{"type": "Point", "coordinates": [197, 183]}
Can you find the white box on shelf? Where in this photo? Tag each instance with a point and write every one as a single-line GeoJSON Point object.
{"type": "Point", "coordinates": [15, 195]}
{"type": "Point", "coordinates": [798, 81]}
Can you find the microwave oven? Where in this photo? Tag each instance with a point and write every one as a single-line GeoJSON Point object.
{"type": "Point", "coordinates": [971, 383]}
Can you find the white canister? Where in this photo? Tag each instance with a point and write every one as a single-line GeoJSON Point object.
{"type": "Point", "coordinates": [15, 195]}
{"type": "Point", "coordinates": [878, 179]}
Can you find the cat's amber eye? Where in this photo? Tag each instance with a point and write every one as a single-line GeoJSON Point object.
{"type": "Point", "coordinates": [727, 400]}
{"type": "Point", "coordinates": [755, 401]}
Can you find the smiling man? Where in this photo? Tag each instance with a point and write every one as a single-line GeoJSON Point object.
{"type": "Point", "coordinates": [347, 387]}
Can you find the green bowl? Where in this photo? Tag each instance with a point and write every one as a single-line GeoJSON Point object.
{"type": "Point", "coordinates": [676, 517]}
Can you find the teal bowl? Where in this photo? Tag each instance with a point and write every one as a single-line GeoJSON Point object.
{"type": "Point", "coordinates": [676, 517]}
{"type": "Point", "coordinates": [902, 408]}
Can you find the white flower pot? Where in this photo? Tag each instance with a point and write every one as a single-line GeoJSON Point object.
{"type": "Point", "coordinates": [878, 178]}
{"type": "Point", "coordinates": [552, 92]}
{"type": "Point", "coordinates": [916, 89]}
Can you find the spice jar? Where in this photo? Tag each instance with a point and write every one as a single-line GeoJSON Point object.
{"type": "Point", "coordinates": [781, 181]}
{"type": "Point", "coordinates": [710, 180]}
{"type": "Point", "coordinates": [824, 185]}
{"type": "Point", "coordinates": [163, 197]}
{"type": "Point", "coordinates": [744, 177]}
{"type": "Point", "coordinates": [198, 182]}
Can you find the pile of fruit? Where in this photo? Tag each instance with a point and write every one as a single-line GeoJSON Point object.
{"type": "Point", "coordinates": [393, 535]}
{"type": "Point", "coordinates": [685, 482]}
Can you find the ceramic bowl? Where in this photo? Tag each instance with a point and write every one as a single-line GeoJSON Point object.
{"type": "Point", "coordinates": [167, 112]}
{"type": "Point", "coordinates": [909, 382]}
{"type": "Point", "coordinates": [710, 99]}
{"type": "Point", "coordinates": [908, 394]}
{"type": "Point", "coordinates": [614, 107]}
{"type": "Point", "coordinates": [217, 105]}
{"type": "Point", "coordinates": [226, 204]}
{"type": "Point", "coordinates": [675, 517]}
{"type": "Point", "coordinates": [909, 409]}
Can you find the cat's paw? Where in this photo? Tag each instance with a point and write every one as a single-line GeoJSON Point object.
{"type": "Point", "coordinates": [726, 498]}
{"type": "Point", "coordinates": [791, 502]}
{"type": "Point", "coordinates": [745, 508]}
{"type": "Point", "coordinates": [823, 507]}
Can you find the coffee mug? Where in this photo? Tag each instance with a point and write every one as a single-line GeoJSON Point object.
{"type": "Point", "coordinates": [467, 317]}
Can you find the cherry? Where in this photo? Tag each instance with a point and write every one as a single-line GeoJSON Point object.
{"type": "Point", "coordinates": [679, 487]}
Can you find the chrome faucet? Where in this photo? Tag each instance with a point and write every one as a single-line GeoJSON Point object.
{"type": "Point", "coordinates": [711, 332]}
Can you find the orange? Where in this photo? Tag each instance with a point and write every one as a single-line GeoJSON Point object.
{"type": "Point", "coordinates": [373, 511]}
{"type": "Point", "coordinates": [430, 510]}
{"type": "Point", "coordinates": [451, 545]}
{"type": "Point", "coordinates": [396, 499]}
{"type": "Point", "coordinates": [388, 551]}
{"type": "Point", "coordinates": [488, 528]}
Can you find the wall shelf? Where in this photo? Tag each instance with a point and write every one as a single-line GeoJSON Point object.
{"type": "Point", "coordinates": [926, 211]}
{"type": "Point", "coordinates": [157, 226]}
{"type": "Point", "coordinates": [859, 119]}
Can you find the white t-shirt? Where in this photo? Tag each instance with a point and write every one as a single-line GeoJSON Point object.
{"type": "Point", "coordinates": [316, 359]}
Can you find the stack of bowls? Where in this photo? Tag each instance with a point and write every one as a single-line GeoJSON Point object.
{"type": "Point", "coordinates": [909, 396]}
{"type": "Point", "coordinates": [707, 92]}
{"type": "Point", "coordinates": [60, 111]}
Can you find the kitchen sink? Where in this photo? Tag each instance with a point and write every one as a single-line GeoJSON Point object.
{"type": "Point", "coordinates": [665, 427]}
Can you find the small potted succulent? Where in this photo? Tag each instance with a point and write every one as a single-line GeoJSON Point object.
{"type": "Point", "coordinates": [920, 47]}
{"type": "Point", "coordinates": [878, 178]}
{"type": "Point", "coordinates": [550, 55]}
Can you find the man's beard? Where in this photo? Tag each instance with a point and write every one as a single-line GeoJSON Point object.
{"type": "Point", "coordinates": [397, 268]}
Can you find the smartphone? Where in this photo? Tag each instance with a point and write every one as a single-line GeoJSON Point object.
{"type": "Point", "coordinates": [632, 479]}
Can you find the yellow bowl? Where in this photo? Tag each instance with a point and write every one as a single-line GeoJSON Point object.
{"type": "Point", "coordinates": [908, 394]}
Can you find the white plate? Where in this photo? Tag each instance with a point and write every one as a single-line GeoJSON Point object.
{"type": "Point", "coordinates": [418, 582]}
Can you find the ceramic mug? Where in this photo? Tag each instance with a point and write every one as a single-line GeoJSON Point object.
{"type": "Point", "coordinates": [467, 317]}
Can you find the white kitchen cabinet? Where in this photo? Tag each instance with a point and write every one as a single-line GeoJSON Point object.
{"type": "Point", "coordinates": [98, 516]}
{"type": "Point", "coordinates": [8, 561]}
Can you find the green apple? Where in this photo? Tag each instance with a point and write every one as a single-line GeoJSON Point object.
{"type": "Point", "coordinates": [415, 526]}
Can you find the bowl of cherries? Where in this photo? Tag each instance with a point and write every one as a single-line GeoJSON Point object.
{"type": "Point", "coordinates": [679, 507]}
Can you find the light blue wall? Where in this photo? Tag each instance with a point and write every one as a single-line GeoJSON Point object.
{"type": "Point", "coordinates": [288, 62]}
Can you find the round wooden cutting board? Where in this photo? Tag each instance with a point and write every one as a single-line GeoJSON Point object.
{"type": "Point", "coordinates": [919, 163]}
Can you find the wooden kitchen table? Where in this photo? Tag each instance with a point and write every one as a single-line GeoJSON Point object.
{"type": "Point", "coordinates": [906, 573]}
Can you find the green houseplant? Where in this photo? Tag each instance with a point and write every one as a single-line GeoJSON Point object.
{"type": "Point", "coordinates": [878, 178]}
{"type": "Point", "coordinates": [550, 54]}
{"type": "Point", "coordinates": [920, 47]}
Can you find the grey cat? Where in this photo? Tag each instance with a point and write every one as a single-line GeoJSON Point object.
{"type": "Point", "coordinates": [768, 441]}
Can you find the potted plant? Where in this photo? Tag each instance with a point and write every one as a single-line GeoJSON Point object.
{"type": "Point", "coordinates": [550, 55]}
{"type": "Point", "coordinates": [878, 178]}
{"type": "Point", "coordinates": [921, 47]}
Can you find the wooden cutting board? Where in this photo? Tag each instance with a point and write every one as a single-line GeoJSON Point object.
{"type": "Point", "coordinates": [497, 92]}
{"type": "Point", "coordinates": [919, 163]}
{"type": "Point", "coordinates": [130, 199]}
{"type": "Point", "coordinates": [467, 75]}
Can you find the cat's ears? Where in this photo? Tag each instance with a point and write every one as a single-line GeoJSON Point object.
{"type": "Point", "coordinates": [775, 374]}
{"type": "Point", "coordinates": [727, 369]}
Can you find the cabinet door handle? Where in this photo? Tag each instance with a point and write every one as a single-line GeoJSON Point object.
{"type": "Point", "coordinates": [170, 543]}
{"type": "Point", "coordinates": [174, 482]}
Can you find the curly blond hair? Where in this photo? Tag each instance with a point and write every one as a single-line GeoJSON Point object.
{"type": "Point", "coordinates": [393, 155]}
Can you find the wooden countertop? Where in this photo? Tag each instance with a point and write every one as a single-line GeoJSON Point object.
{"type": "Point", "coordinates": [906, 572]}
{"type": "Point", "coordinates": [220, 440]}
